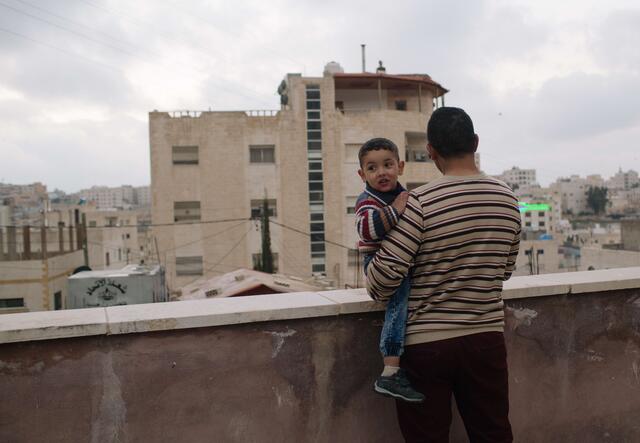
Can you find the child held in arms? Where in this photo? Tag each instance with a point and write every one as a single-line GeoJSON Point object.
{"type": "Point", "coordinates": [378, 209]}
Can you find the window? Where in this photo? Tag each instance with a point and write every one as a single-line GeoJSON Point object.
{"type": "Point", "coordinates": [106, 259]}
{"type": "Point", "coordinates": [401, 105]}
{"type": "Point", "coordinates": [119, 254]}
{"type": "Point", "coordinates": [541, 224]}
{"type": "Point", "coordinates": [353, 258]}
{"type": "Point", "coordinates": [184, 155]}
{"type": "Point", "coordinates": [257, 260]}
{"type": "Point", "coordinates": [317, 216]}
{"type": "Point", "coordinates": [92, 224]}
{"type": "Point", "coordinates": [314, 145]}
{"type": "Point", "coordinates": [313, 94]}
{"type": "Point", "coordinates": [351, 204]}
{"type": "Point", "coordinates": [57, 300]}
{"type": "Point", "coordinates": [189, 265]}
{"type": "Point", "coordinates": [527, 214]}
{"type": "Point", "coordinates": [186, 211]}
{"type": "Point", "coordinates": [316, 197]}
{"type": "Point", "coordinates": [256, 208]}
{"type": "Point", "coordinates": [313, 115]}
{"type": "Point", "coordinates": [318, 268]}
{"type": "Point", "coordinates": [541, 213]}
{"type": "Point", "coordinates": [262, 154]}
{"type": "Point", "coordinates": [317, 247]}
{"type": "Point", "coordinates": [11, 303]}
{"type": "Point", "coordinates": [311, 125]}
{"type": "Point", "coordinates": [528, 224]}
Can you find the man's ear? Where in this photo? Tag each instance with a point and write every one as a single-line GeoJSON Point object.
{"type": "Point", "coordinates": [400, 167]}
{"type": "Point", "coordinates": [361, 174]}
{"type": "Point", "coordinates": [477, 140]}
{"type": "Point", "coordinates": [433, 154]}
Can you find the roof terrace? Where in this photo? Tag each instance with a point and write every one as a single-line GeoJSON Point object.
{"type": "Point", "coordinates": [299, 367]}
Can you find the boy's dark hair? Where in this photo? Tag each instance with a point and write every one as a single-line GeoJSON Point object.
{"type": "Point", "coordinates": [375, 144]}
{"type": "Point", "coordinates": [450, 131]}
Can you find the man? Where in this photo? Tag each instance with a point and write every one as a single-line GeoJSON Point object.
{"type": "Point", "coordinates": [458, 238]}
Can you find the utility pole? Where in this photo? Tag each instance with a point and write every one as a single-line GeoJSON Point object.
{"type": "Point", "coordinates": [85, 246]}
{"type": "Point", "coordinates": [266, 259]}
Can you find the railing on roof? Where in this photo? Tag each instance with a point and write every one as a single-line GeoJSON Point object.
{"type": "Point", "coordinates": [185, 113]}
{"type": "Point", "coordinates": [262, 113]}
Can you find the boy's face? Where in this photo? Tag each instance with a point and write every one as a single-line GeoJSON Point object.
{"type": "Point", "coordinates": [381, 169]}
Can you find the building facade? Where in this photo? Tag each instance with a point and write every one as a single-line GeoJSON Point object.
{"type": "Point", "coordinates": [210, 172]}
{"type": "Point", "coordinates": [518, 178]}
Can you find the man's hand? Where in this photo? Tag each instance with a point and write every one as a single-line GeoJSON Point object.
{"type": "Point", "coordinates": [400, 202]}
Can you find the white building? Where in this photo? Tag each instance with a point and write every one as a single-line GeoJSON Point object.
{"type": "Point", "coordinates": [518, 178]}
{"type": "Point", "coordinates": [572, 192]}
{"type": "Point", "coordinates": [623, 180]}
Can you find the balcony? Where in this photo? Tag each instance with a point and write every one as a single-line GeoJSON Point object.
{"type": "Point", "coordinates": [299, 367]}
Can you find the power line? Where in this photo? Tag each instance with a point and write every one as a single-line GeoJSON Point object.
{"type": "Point", "coordinates": [206, 222]}
{"type": "Point", "coordinates": [119, 49]}
{"type": "Point", "coordinates": [32, 40]}
{"type": "Point", "coordinates": [309, 234]}
{"type": "Point", "coordinates": [204, 273]}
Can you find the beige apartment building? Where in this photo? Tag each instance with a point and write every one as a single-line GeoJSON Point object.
{"type": "Point", "coordinates": [211, 170]}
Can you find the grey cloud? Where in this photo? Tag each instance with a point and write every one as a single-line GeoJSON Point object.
{"type": "Point", "coordinates": [583, 105]}
{"type": "Point", "coordinates": [616, 41]}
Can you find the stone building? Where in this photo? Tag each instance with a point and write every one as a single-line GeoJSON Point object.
{"type": "Point", "coordinates": [212, 166]}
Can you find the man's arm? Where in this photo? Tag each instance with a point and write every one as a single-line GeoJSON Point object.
{"type": "Point", "coordinates": [397, 253]}
{"type": "Point", "coordinates": [513, 255]}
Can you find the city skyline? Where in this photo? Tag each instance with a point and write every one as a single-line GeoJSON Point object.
{"type": "Point", "coordinates": [552, 87]}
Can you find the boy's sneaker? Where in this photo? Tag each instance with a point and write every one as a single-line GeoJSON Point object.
{"type": "Point", "coordinates": [398, 386]}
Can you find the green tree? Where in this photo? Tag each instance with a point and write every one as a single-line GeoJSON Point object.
{"type": "Point", "coordinates": [597, 199]}
{"type": "Point", "coordinates": [265, 262]}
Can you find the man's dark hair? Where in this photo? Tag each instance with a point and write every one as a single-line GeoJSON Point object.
{"type": "Point", "coordinates": [450, 131]}
{"type": "Point", "coordinates": [375, 144]}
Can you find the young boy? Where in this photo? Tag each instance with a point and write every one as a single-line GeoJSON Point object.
{"type": "Point", "coordinates": [378, 209]}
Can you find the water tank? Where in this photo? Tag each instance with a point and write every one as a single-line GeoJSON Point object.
{"type": "Point", "coordinates": [333, 68]}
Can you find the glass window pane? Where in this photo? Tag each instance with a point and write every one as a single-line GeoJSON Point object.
{"type": "Point", "coordinates": [313, 105]}
{"type": "Point", "coordinates": [315, 166]}
{"type": "Point", "coordinates": [315, 186]}
{"type": "Point", "coordinates": [313, 115]}
{"type": "Point", "coordinates": [313, 94]}
{"type": "Point", "coordinates": [314, 125]}
{"type": "Point", "coordinates": [316, 176]}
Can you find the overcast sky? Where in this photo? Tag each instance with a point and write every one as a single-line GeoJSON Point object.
{"type": "Point", "coordinates": [551, 85]}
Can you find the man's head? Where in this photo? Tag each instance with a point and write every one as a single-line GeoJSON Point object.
{"type": "Point", "coordinates": [380, 164]}
{"type": "Point", "coordinates": [450, 134]}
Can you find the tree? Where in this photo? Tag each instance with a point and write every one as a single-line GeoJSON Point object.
{"type": "Point", "coordinates": [597, 199]}
{"type": "Point", "coordinates": [265, 261]}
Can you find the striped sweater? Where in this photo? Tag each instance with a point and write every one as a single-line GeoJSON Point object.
{"type": "Point", "coordinates": [375, 217]}
{"type": "Point", "coordinates": [460, 236]}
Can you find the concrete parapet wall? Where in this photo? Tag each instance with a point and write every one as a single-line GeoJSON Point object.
{"type": "Point", "coordinates": [299, 367]}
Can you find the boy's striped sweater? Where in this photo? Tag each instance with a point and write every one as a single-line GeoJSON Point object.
{"type": "Point", "coordinates": [375, 217]}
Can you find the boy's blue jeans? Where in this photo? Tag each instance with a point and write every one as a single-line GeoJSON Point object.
{"type": "Point", "coordinates": [395, 318]}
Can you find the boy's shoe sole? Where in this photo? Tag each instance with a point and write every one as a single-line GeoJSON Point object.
{"type": "Point", "coordinates": [387, 393]}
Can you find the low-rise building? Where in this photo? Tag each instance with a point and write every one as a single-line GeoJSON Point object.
{"type": "Point", "coordinates": [34, 264]}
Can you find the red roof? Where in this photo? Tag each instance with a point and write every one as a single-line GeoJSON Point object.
{"type": "Point", "coordinates": [369, 80]}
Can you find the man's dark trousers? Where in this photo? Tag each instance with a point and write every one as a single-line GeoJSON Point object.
{"type": "Point", "coordinates": [474, 369]}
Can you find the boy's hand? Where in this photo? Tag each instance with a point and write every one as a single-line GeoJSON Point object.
{"type": "Point", "coordinates": [400, 202]}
